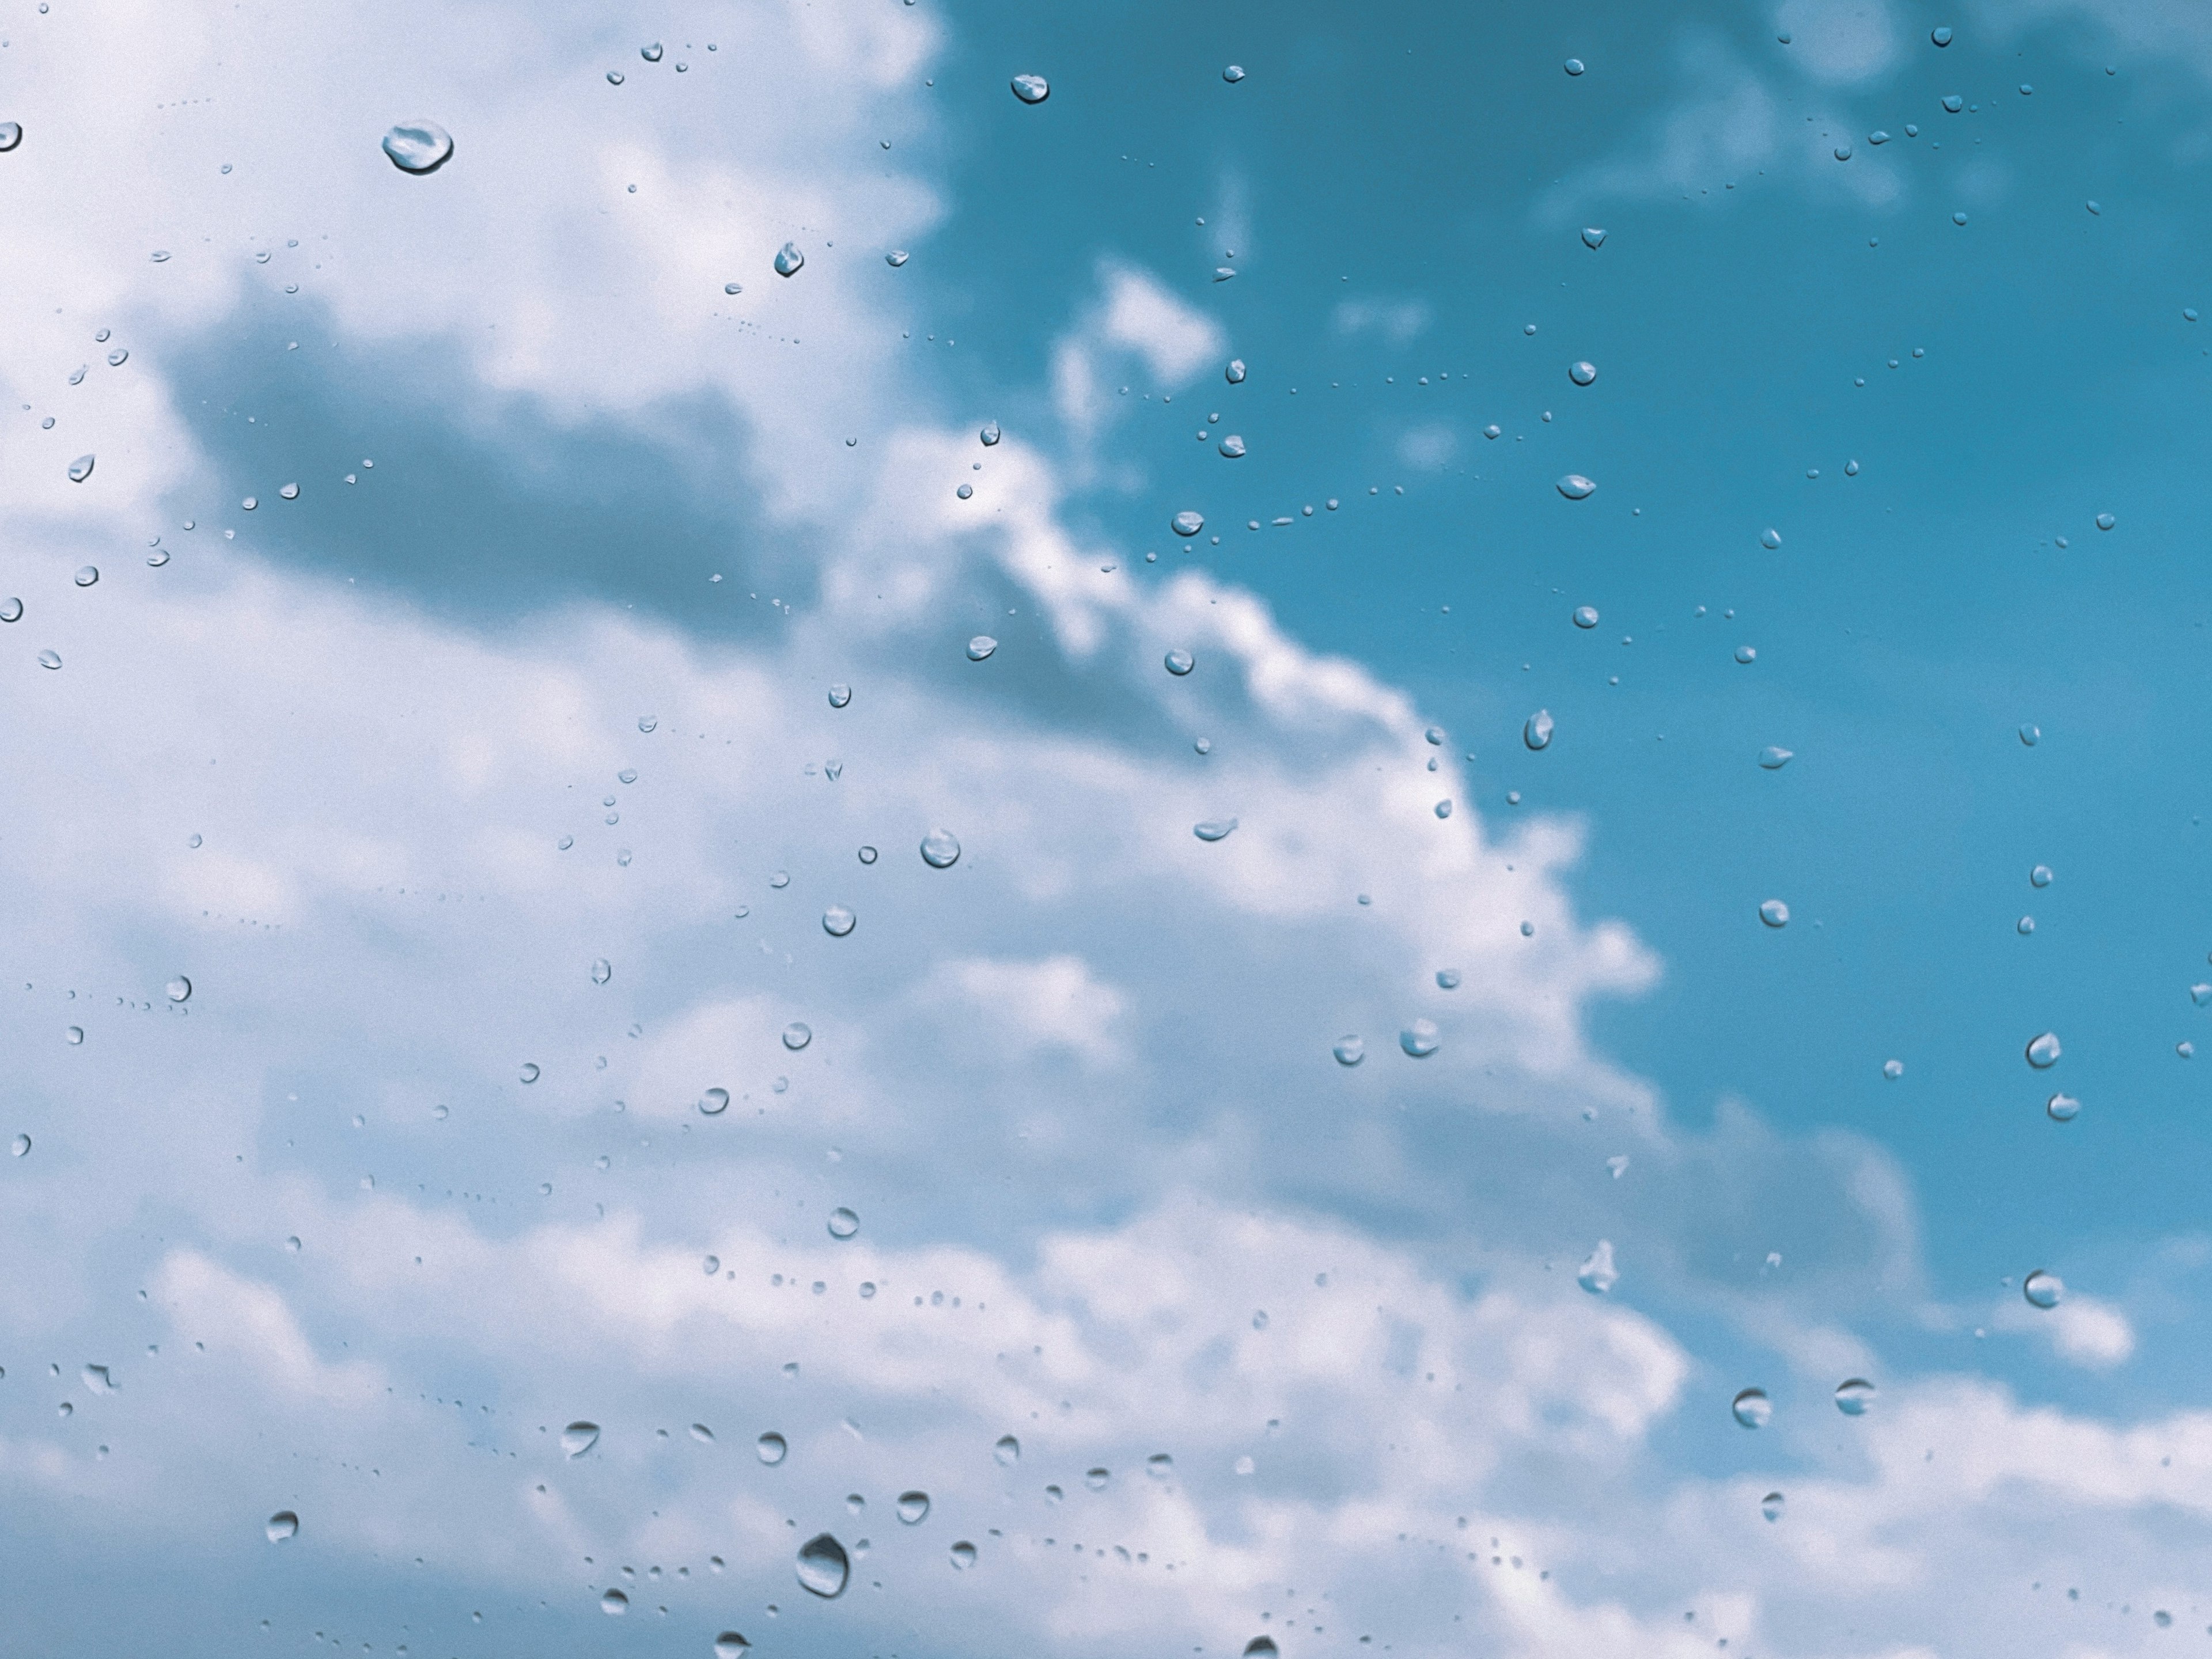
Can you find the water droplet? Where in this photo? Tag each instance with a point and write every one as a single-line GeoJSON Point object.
{"type": "Point", "coordinates": [1752, 1408]}
{"type": "Point", "coordinates": [940, 849]}
{"type": "Point", "coordinates": [1536, 731]}
{"type": "Point", "coordinates": [1958, 218]}
{"type": "Point", "coordinates": [418, 145]}
{"type": "Point", "coordinates": [797, 1035]}
{"type": "Point", "coordinates": [74, 1036]}
{"type": "Point", "coordinates": [2043, 1052]}
{"type": "Point", "coordinates": [913, 1507]}
{"type": "Point", "coordinates": [2025, 925]}
{"type": "Point", "coordinates": [843, 1223]}
{"type": "Point", "coordinates": [1747, 654]}
{"type": "Point", "coordinates": [1592, 237]}
{"type": "Point", "coordinates": [1235, 375]}
{"type": "Point", "coordinates": [1582, 373]}
{"type": "Point", "coordinates": [1232, 447]}
{"type": "Point", "coordinates": [1774, 758]}
{"type": "Point", "coordinates": [788, 259]}
{"type": "Point", "coordinates": [614, 1604]}
{"type": "Point", "coordinates": [2040, 876]}
{"type": "Point", "coordinates": [1941, 35]}
{"type": "Point", "coordinates": [990, 433]}
{"type": "Point", "coordinates": [602, 971]}
{"type": "Point", "coordinates": [11, 134]}
{"type": "Point", "coordinates": [1187, 522]}
{"type": "Point", "coordinates": [1159, 1465]}
{"type": "Point", "coordinates": [1180, 662]}
{"type": "Point", "coordinates": [80, 469]}
{"type": "Point", "coordinates": [50, 660]}
{"type": "Point", "coordinates": [530, 1073]}
{"type": "Point", "coordinates": [180, 989]}
{"type": "Point", "coordinates": [734, 288]}
{"type": "Point", "coordinates": [2062, 1109]}
{"type": "Point", "coordinates": [250, 504]}
{"type": "Point", "coordinates": [2031, 735]}
{"type": "Point", "coordinates": [1262, 1646]}
{"type": "Point", "coordinates": [1597, 1274]}
{"type": "Point", "coordinates": [281, 1526]}
{"type": "Point", "coordinates": [715, 1103]}
{"type": "Point", "coordinates": [1575, 488]}
{"type": "Point", "coordinates": [837, 922]}
{"type": "Point", "coordinates": [730, 1645]}
{"type": "Point", "coordinates": [1953, 103]}
{"type": "Point", "coordinates": [963, 1555]}
{"type": "Point", "coordinates": [1769, 539]}
{"type": "Point", "coordinates": [1774, 913]}
{"type": "Point", "coordinates": [981, 647]}
{"type": "Point", "coordinates": [1855, 1396]}
{"type": "Point", "coordinates": [647, 722]}
{"type": "Point", "coordinates": [1443, 809]}
{"type": "Point", "coordinates": [2043, 1289]}
{"type": "Point", "coordinates": [702, 1433]}
{"type": "Point", "coordinates": [1213, 828]}
{"type": "Point", "coordinates": [1031, 88]}
{"type": "Point", "coordinates": [117, 358]}
{"type": "Point", "coordinates": [1448, 979]}
{"type": "Point", "coordinates": [652, 54]}
{"type": "Point", "coordinates": [21, 1146]}
{"type": "Point", "coordinates": [1007, 1451]}
{"type": "Point", "coordinates": [1843, 152]}
{"type": "Point", "coordinates": [579, 1437]}
{"type": "Point", "coordinates": [1420, 1039]}
{"type": "Point", "coordinates": [1574, 66]}
{"type": "Point", "coordinates": [1586, 616]}
{"type": "Point", "coordinates": [290, 492]}
{"type": "Point", "coordinates": [709, 1265]}
{"type": "Point", "coordinates": [2104, 521]}
{"type": "Point", "coordinates": [780, 880]}
{"type": "Point", "coordinates": [1877, 137]}
{"type": "Point", "coordinates": [11, 610]}
{"type": "Point", "coordinates": [1771, 1505]}
{"type": "Point", "coordinates": [1892, 1069]}
{"type": "Point", "coordinates": [1349, 1051]}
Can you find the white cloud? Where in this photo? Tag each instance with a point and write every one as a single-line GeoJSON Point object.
{"type": "Point", "coordinates": [1841, 42]}
{"type": "Point", "coordinates": [1396, 320]}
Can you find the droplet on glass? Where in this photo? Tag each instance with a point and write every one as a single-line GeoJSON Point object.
{"type": "Point", "coordinates": [1769, 539]}
{"type": "Point", "coordinates": [80, 469]}
{"type": "Point", "coordinates": [1180, 661]}
{"type": "Point", "coordinates": [1582, 373]}
{"type": "Point", "coordinates": [1420, 1039]}
{"type": "Point", "coordinates": [1444, 810]}
{"type": "Point", "coordinates": [1233, 74]}
{"type": "Point", "coordinates": [1892, 1069]}
{"type": "Point", "coordinates": [180, 989]}
{"type": "Point", "coordinates": [1752, 1408]}
{"type": "Point", "coordinates": [1747, 654]}
{"type": "Point", "coordinates": [11, 610]}
{"type": "Point", "coordinates": [797, 1035]}
{"type": "Point", "coordinates": [2040, 876]}
{"type": "Point", "coordinates": [843, 1223]}
{"type": "Point", "coordinates": [1213, 828]}
{"type": "Point", "coordinates": [1774, 913]}
{"type": "Point", "coordinates": [1597, 1274]}
{"type": "Point", "coordinates": [1593, 237]}
{"type": "Point", "coordinates": [913, 1507]}
{"type": "Point", "coordinates": [771, 1449]}
{"type": "Point", "coordinates": [788, 259]}
{"type": "Point", "coordinates": [2062, 1109]}
{"type": "Point", "coordinates": [117, 358]}
{"type": "Point", "coordinates": [614, 1604]}
{"type": "Point", "coordinates": [1774, 758]}
{"type": "Point", "coordinates": [281, 1526]}
{"type": "Point", "coordinates": [837, 922]}
{"type": "Point", "coordinates": [731, 1646]}
{"type": "Point", "coordinates": [418, 145]}
{"type": "Point", "coordinates": [940, 849]}
{"type": "Point", "coordinates": [1536, 731]}
{"type": "Point", "coordinates": [896, 257]}
{"type": "Point", "coordinates": [1187, 522]}
{"type": "Point", "coordinates": [652, 54]}
{"type": "Point", "coordinates": [1575, 488]}
{"type": "Point", "coordinates": [1235, 375]}
{"type": "Point", "coordinates": [20, 1146]}
{"type": "Point", "coordinates": [1007, 1451]}
{"type": "Point", "coordinates": [1349, 1051]}
{"type": "Point", "coordinates": [2043, 1289]}
{"type": "Point", "coordinates": [963, 1555]}
{"type": "Point", "coordinates": [11, 134]}
{"type": "Point", "coordinates": [714, 1102]}
{"type": "Point", "coordinates": [981, 647]}
{"type": "Point", "coordinates": [1031, 88]}
{"type": "Point", "coordinates": [2104, 521]}
{"type": "Point", "coordinates": [602, 971]}
{"type": "Point", "coordinates": [2043, 1051]}
{"type": "Point", "coordinates": [530, 1073]}
{"type": "Point", "coordinates": [1771, 1505]}
{"type": "Point", "coordinates": [1855, 1396]}
{"type": "Point", "coordinates": [1940, 34]}
{"type": "Point", "coordinates": [2031, 735]}
{"type": "Point", "coordinates": [1586, 616]}
{"type": "Point", "coordinates": [578, 1438]}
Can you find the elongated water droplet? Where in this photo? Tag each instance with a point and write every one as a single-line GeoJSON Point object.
{"type": "Point", "coordinates": [81, 469]}
{"type": "Point", "coordinates": [1031, 88]}
{"type": "Point", "coordinates": [1213, 828]}
{"type": "Point", "coordinates": [2043, 1051]}
{"type": "Point", "coordinates": [2043, 1289]}
{"type": "Point", "coordinates": [1575, 488]}
{"type": "Point", "coordinates": [1597, 1274]}
{"type": "Point", "coordinates": [1773, 757]}
{"type": "Point", "coordinates": [418, 145]}
{"type": "Point", "coordinates": [1420, 1039]}
{"type": "Point", "coordinates": [1349, 1051]}
{"type": "Point", "coordinates": [1536, 731]}
{"type": "Point", "coordinates": [1752, 1408]}
{"type": "Point", "coordinates": [579, 1437]}
{"type": "Point", "coordinates": [281, 1526]}
{"type": "Point", "coordinates": [914, 1507]}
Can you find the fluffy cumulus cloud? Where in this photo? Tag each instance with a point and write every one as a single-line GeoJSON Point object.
{"type": "Point", "coordinates": [434, 1020]}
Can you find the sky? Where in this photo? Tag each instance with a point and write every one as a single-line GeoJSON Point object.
{"type": "Point", "coordinates": [655, 910]}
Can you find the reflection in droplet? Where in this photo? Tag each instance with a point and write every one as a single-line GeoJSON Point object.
{"type": "Point", "coordinates": [418, 145]}
{"type": "Point", "coordinates": [281, 1526]}
{"type": "Point", "coordinates": [1582, 373]}
{"type": "Point", "coordinates": [1773, 757]}
{"type": "Point", "coordinates": [797, 1035]}
{"type": "Point", "coordinates": [1575, 488]}
{"type": "Point", "coordinates": [1771, 1505]}
{"type": "Point", "coordinates": [1586, 616]}
{"type": "Point", "coordinates": [981, 647]}
{"type": "Point", "coordinates": [2040, 876]}
{"type": "Point", "coordinates": [714, 1102]}
{"type": "Point", "coordinates": [87, 574]}
{"type": "Point", "coordinates": [1007, 1451]}
{"type": "Point", "coordinates": [1597, 1274]}
{"type": "Point", "coordinates": [1187, 522]}
{"type": "Point", "coordinates": [837, 922]}
{"type": "Point", "coordinates": [579, 1437]}
{"type": "Point", "coordinates": [840, 695]}
{"type": "Point", "coordinates": [1031, 88]}
{"type": "Point", "coordinates": [788, 259]}
{"type": "Point", "coordinates": [1420, 1039]}
{"type": "Point", "coordinates": [1232, 447]}
{"type": "Point", "coordinates": [1593, 237]}
{"type": "Point", "coordinates": [940, 849]}
{"type": "Point", "coordinates": [2043, 1289]}
{"type": "Point", "coordinates": [990, 435]}
{"type": "Point", "coordinates": [771, 1447]}
{"type": "Point", "coordinates": [80, 469]}
{"type": "Point", "coordinates": [180, 989]}
{"type": "Point", "coordinates": [1213, 828]}
{"type": "Point", "coordinates": [1752, 1408]}
{"type": "Point", "coordinates": [914, 1507]}
{"type": "Point", "coordinates": [1235, 375]}
{"type": "Point", "coordinates": [614, 1604]}
{"type": "Point", "coordinates": [2062, 1108]}
{"type": "Point", "coordinates": [843, 1223]}
{"type": "Point", "coordinates": [1180, 662]}
{"type": "Point", "coordinates": [963, 1555]}
{"type": "Point", "coordinates": [2043, 1051]}
{"type": "Point", "coordinates": [1892, 1069]}
{"type": "Point", "coordinates": [1233, 74]}
{"type": "Point", "coordinates": [731, 1646]}
{"type": "Point", "coordinates": [1774, 913]}
{"type": "Point", "coordinates": [1536, 731]}
{"type": "Point", "coordinates": [1349, 1051]}
{"type": "Point", "coordinates": [1855, 1396]}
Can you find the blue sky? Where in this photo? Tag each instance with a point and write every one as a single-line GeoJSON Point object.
{"type": "Point", "coordinates": [533, 671]}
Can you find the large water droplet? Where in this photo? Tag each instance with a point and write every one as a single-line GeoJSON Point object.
{"type": "Point", "coordinates": [418, 145]}
{"type": "Point", "coordinates": [1031, 88]}
{"type": "Point", "coordinates": [963, 1555]}
{"type": "Point", "coordinates": [1233, 448]}
{"type": "Point", "coordinates": [1349, 1051]}
{"type": "Point", "coordinates": [87, 574]}
{"type": "Point", "coordinates": [837, 922]}
{"type": "Point", "coordinates": [11, 610]}
{"type": "Point", "coordinates": [1420, 1039]}
{"type": "Point", "coordinates": [1597, 1274]}
{"type": "Point", "coordinates": [1536, 731]}
{"type": "Point", "coordinates": [1892, 1069]}
{"type": "Point", "coordinates": [80, 469]}
{"type": "Point", "coordinates": [2043, 1051]}
{"type": "Point", "coordinates": [2043, 1289]}
{"type": "Point", "coordinates": [1582, 373]}
{"type": "Point", "coordinates": [614, 1604]}
{"type": "Point", "coordinates": [771, 1447]}
{"type": "Point", "coordinates": [1752, 1408]}
{"type": "Point", "coordinates": [529, 1074]}
{"type": "Point", "coordinates": [940, 849]}
{"type": "Point", "coordinates": [1213, 828]}
{"type": "Point", "coordinates": [1233, 74]}
{"type": "Point", "coordinates": [2062, 1108]}
{"type": "Point", "coordinates": [990, 435]}
{"type": "Point", "coordinates": [1235, 375]}
{"type": "Point", "coordinates": [1855, 1396]}
{"type": "Point", "coordinates": [1187, 523]}
{"type": "Point", "coordinates": [2039, 876]}
{"type": "Point", "coordinates": [840, 695]}
{"type": "Point", "coordinates": [579, 1437]}
{"type": "Point", "coordinates": [981, 647]}
{"type": "Point", "coordinates": [797, 1035]}
{"type": "Point", "coordinates": [914, 1507]}
{"type": "Point", "coordinates": [788, 259]}
{"type": "Point", "coordinates": [1575, 488]}
{"type": "Point", "coordinates": [1953, 103]}
{"type": "Point", "coordinates": [1773, 757]}
{"type": "Point", "coordinates": [652, 54]}
{"type": "Point", "coordinates": [1774, 913]}
{"type": "Point", "coordinates": [2104, 521]}
{"type": "Point", "coordinates": [843, 1223]}
{"type": "Point", "coordinates": [180, 989]}
{"type": "Point", "coordinates": [715, 1103]}
{"type": "Point", "coordinates": [281, 1526]}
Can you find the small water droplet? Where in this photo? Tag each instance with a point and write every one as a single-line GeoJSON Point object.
{"type": "Point", "coordinates": [579, 1437]}
{"type": "Point", "coordinates": [914, 1507]}
{"type": "Point", "coordinates": [1774, 758]}
{"type": "Point", "coordinates": [2104, 521]}
{"type": "Point", "coordinates": [1769, 539]}
{"type": "Point", "coordinates": [1586, 616]}
{"type": "Point", "coordinates": [1235, 375]}
{"type": "Point", "coordinates": [1597, 1274]}
{"type": "Point", "coordinates": [11, 610]}
{"type": "Point", "coordinates": [1843, 152]}
{"type": "Point", "coordinates": [2025, 925]}
{"type": "Point", "coordinates": [2043, 1051]}
{"type": "Point", "coordinates": [990, 433]}
{"type": "Point", "coordinates": [1941, 35]}
{"type": "Point", "coordinates": [1031, 88]}
{"type": "Point", "coordinates": [1536, 731]}
{"type": "Point", "coordinates": [2043, 1289]}
{"type": "Point", "coordinates": [1774, 913]}
{"type": "Point", "coordinates": [81, 469]}
{"type": "Point", "coordinates": [2031, 735]}
{"type": "Point", "coordinates": [1233, 74]}
{"type": "Point", "coordinates": [981, 647]}
{"type": "Point", "coordinates": [1420, 1039]}
{"type": "Point", "coordinates": [290, 492]}
{"type": "Point", "coordinates": [281, 1526]}
{"type": "Point", "coordinates": [797, 1035]}
{"type": "Point", "coordinates": [896, 257]}
{"type": "Point", "coordinates": [1752, 1408]}
{"type": "Point", "coordinates": [1958, 218]}
{"type": "Point", "coordinates": [963, 1555]}
{"type": "Point", "coordinates": [2040, 876]}
{"type": "Point", "coordinates": [1892, 1069]}
{"type": "Point", "coordinates": [1187, 522]}
{"type": "Point", "coordinates": [1232, 447]}
{"type": "Point", "coordinates": [74, 1036]}
{"type": "Point", "coordinates": [652, 54]}
{"type": "Point", "coordinates": [1575, 488]}
{"type": "Point", "coordinates": [788, 259]}
{"type": "Point", "coordinates": [1771, 1505]}
{"type": "Point", "coordinates": [1180, 662]}
{"type": "Point", "coordinates": [1582, 373]}
{"type": "Point", "coordinates": [2062, 1109]}
{"type": "Point", "coordinates": [1349, 1051]}
{"type": "Point", "coordinates": [1007, 1451]}
{"type": "Point", "coordinates": [418, 145]}
{"type": "Point", "coordinates": [1855, 1396]}
{"type": "Point", "coordinates": [529, 1072]}
{"type": "Point", "coordinates": [1213, 828]}
{"type": "Point", "coordinates": [1747, 654]}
